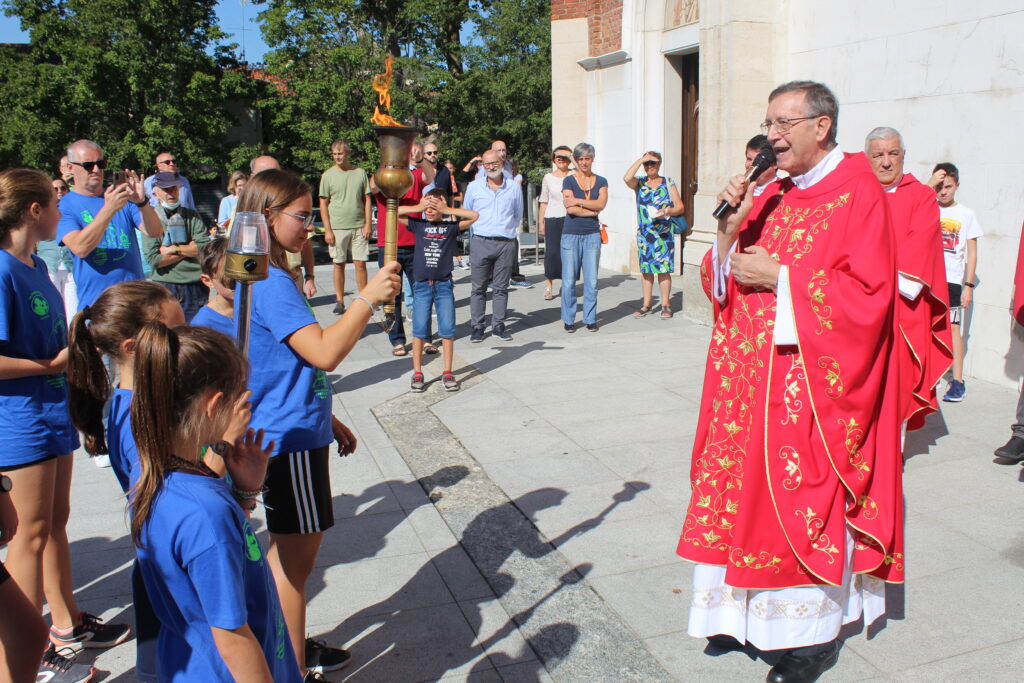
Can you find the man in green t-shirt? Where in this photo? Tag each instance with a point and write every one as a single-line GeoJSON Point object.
{"type": "Point", "coordinates": [174, 257]}
{"type": "Point", "coordinates": [345, 208]}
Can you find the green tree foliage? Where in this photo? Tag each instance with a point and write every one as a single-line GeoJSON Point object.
{"type": "Point", "coordinates": [467, 71]}
{"type": "Point", "coordinates": [136, 76]}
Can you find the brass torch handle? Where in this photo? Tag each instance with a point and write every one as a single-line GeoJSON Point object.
{"type": "Point", "coordinates": [390, 241]}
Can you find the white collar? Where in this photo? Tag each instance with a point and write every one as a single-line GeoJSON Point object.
{"type": "Point", "coordinates": [820, 170]}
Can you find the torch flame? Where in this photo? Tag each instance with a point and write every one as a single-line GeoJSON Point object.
{"type": "Point", "coordinates": [382, 84]}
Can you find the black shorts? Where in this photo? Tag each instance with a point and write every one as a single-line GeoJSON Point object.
{"type": "Point", "coordinates": [955, 293]}
{"type": "Point", "coordinates": [298, 493]}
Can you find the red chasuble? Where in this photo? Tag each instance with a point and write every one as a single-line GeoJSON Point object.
{"type": "Point", "coordinates": [1018, 283]}
{"type": "Point", "coordinates": [796, 444]}
{"type": "Point", "coordinates": [926, 345]}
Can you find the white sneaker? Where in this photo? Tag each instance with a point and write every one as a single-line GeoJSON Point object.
{"type": "Point", "coordinates": [102, 460]}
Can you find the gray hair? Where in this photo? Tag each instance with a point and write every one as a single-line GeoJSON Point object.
{"type": "Point", "coordinates": [883, 133]}
{"type": "Point", "coordinates": [820, 100]}
{"type": "Point", "coordinates": [584, 149]}
{"type": "Point", "coordinates": [83, 144]}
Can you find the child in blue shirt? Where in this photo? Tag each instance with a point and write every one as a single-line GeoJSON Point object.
{"type": "Point", "coordinates": [219, 313]}
{"type": "Point", "coordinates": [202, 565]}
{"type": "Point", "coordinates": [291, 398]}
{"type": "Point", "coordinates": [36, 435]}
{"type": "Point", "coordinates": [432, 278]}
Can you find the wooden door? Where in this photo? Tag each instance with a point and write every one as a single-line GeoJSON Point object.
{"type": "Point", "coordinates": [689, 112]}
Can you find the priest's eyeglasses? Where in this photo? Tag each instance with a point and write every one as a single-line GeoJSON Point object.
{"type": "Point", "coordinates": [784, 125]}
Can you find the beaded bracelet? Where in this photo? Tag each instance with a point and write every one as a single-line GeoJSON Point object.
{"type": "Point", "coordinates": [373, 309]}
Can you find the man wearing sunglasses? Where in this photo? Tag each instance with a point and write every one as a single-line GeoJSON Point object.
{"type": "Point", "coordinates": [98, 225]}
{"type": "Point", "coordinates": [168, 163]}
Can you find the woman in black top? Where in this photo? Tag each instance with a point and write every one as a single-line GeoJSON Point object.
{"type": "Point", "coordinates": [585, 195]}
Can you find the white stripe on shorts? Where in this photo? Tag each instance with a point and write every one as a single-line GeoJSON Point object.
{"type": "Point", "coordinates": [302, 489]}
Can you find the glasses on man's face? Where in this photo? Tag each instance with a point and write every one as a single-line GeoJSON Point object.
{"type": "Point", "coordinates": [432, 153]}
{"type": "Point", "coordinates": [306, 220]}
{"type": "Point", "coordinates": [492, 164]}
{"type": "Point", "coordinates": [784, 125]}
{"type": "Point", "coordinates": [90, 165]}
{"type": "Point", "coordinates": [561, 158]}
{"type": "Point", "coordinates": [60, 189]}
{"type": "Point", "coordinates": [168, 161]}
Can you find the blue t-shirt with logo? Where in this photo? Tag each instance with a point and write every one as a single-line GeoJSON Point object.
{"type": "Point", "coordinates": [207, 317]}
{"type": "Point", "coordinates": [291, 399]}
{"type": "Point", "coordinates": [115, 259]}
{"type": "Point", "coordinates": [34, 419]}
{"type": "Point", "coordinates": [124, 456]}
{"type": "Point", "coordinates": [203, 567]}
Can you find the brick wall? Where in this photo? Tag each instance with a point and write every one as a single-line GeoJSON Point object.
{"type": "Point", "coordinates": [604, 21]}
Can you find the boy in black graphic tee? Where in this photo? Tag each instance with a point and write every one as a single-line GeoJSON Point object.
{"type": "Point", "coordinates": [432, 278]}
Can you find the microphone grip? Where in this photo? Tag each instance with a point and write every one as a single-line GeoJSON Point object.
{"type": "Point", "coordinates": [725, 207]}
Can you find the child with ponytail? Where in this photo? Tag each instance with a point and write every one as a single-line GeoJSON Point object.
{"type": "Point", "coordinates": [36, 435]}
{"type": "Point", "coordinates": [109, 327]}
{"type": "Point", "coordinates": [291, 399]}
{"type": "Point", "coordinates": [201, 562]}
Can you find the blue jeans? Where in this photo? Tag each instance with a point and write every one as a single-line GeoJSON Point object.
{"type": "Point", "coordinates": [439, 295]}
{"type": "Point", "coordinates": [577, 251]}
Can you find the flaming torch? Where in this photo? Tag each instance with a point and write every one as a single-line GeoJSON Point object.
{"type": "Point", "coordinates": [393, 177]}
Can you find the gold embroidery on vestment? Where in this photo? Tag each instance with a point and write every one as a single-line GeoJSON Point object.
{"type": "Point", "coordinates": [854, 434]}
{"type": "Point", "coordinates": [821, 310]}
{"type": "Point", "coordinates": [835, 386]}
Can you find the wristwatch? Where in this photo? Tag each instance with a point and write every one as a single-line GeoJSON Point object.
{"type": "Point", "coordinates": [142, 203]}
{"type": "Point", "coordinates": [5, 484]}
{"type": "Point", "coordinates": [221, 447]}
{"type": "Point", "coordinates": [177, 250]}
{"type": "Point", "coordinates": [972, 285]}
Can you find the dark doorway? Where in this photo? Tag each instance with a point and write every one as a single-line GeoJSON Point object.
{"type": "Point", "coordinates": [689, 112]}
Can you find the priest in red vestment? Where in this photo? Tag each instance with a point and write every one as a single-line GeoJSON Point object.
{"type": "Point", "coordinates": [925, 341]}
{"type": "Point", "coordinates": [796, 513]}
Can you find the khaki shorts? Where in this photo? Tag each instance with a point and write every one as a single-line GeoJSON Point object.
{"type": "Point", "coordinates": [346, 241]}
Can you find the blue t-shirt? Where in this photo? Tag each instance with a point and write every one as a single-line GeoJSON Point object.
{"type": "Point", "coordinates": [117, 257]}
{"type": "Point", "coordinates": [203, 567]}
{"type": "Point", "coordinates": [291, 399]}
{"type": "Point", "coordinates": [582, 225]}
{"type": "Point", "coordinates": [435, 248]}
{"type": "Point", "coordinates": [124, 456]}
{"type": "Point", "coordinates": [207, 317]}
{"type": "Point", "coordinates": [34, 419]}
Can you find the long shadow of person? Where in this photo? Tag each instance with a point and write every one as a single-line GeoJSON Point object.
{"type": "Point", "coordinates": [430, 626]}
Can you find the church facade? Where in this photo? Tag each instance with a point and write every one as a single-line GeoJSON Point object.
{"type": "Point", "coordinates": [690, 79]}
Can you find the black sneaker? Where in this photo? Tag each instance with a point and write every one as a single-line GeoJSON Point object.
{"type": "Point", "coordinates": [1012, 449]}
{"type": "Point", "coordinates": [92, 632]}
{"type": "Point", "coordinates": [339, 308]}
{"type": "Point", "coordinates": [521, 282]}
{"type": "Point", "coordinates": [501, 333]}
{"type": "Point", "coordinates": [59, 667]}
{"type": "Point", "coordinates": [592, 327]}
{"type": "Point", "coordinates": [477, 336]}
{"type": "Point", "coordinates": [570, 328]}
{"type": "Point", "coordinates": [321, 658]}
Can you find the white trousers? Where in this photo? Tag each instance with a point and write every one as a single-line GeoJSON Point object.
{"type": "Point", "coordinates": [65, 284]}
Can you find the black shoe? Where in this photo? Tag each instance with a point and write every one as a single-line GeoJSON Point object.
{"type": "Point", "coordinates": [501, 333]}
{"type": "Point", "coordinates": [592, 327]}
{"type": "Point", "coordinates": [1012, 449]}
{"type": "Point", "coordinates": [570, 328]}
{"type": "Point", "coordinates": [724, 642]}
{"type": "Point", "coordinates": [321, 658]}
{"type": "Point", "coordinates": [339, 308]}
{"type": "Point", "coordinates": [806, 669]}
{"type": "Point", "coordinates": [477, 336]}
{"type": "Point", "coordinates": [58, 666]}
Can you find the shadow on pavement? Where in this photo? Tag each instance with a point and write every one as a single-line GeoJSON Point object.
{"type": "Point", "coordinates": [392, 640]}
{"type": "Point", "coordinates": [921, 441]}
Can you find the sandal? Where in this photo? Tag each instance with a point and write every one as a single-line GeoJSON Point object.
{"type": "Point", "coordinates": [548, 296]}
{"type": "Point", "coordinates": [399, 350]}
{"type": "Point", "coordinates": [429, 348]}
{"type": "Point", "coordinates": [644, 310]}
{"type": "Point", "coordinates": [666, 312]}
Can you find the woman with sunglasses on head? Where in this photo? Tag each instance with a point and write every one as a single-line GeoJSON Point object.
{"type": "Point", "coordinates": [552, 215]}
{"type": "Point", "coordinates": [291, 399]}
{"type": "Point", "coordinates": [657, 202]}
{"type": "Point", "coordinates": [584, 194]}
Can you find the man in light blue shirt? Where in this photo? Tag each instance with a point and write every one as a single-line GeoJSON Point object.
{"type": "Point", "coordinates": [499, 201]}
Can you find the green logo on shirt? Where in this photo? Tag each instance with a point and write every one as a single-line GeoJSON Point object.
{"type": "Point", "coordinates": [321, 387]}
{"type": "Point", "coordinates": [252, 546]}
{"type": "Point", "coordinates": [38, 303]}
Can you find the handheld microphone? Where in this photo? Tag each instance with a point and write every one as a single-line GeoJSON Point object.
{"type": "Point", "coordinates": [764, 160]}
